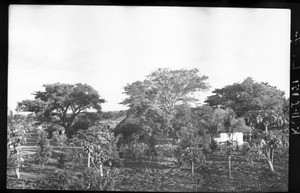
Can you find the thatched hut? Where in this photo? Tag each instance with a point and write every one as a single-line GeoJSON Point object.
{"type": "Point", "coordinates": [133, 124]}
{"type": "Point", "coordinates": [54, 127]}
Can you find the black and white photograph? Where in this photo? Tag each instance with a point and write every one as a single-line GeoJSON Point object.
{"type": "Point", "coordinates": [148, 98]}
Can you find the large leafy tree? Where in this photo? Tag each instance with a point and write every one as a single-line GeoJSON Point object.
{"type": "Point", "coordinates": [216, 120]}
{"type": "Point", "coordinates": [250, 98]}
{"type": "Point", "coordinates": [62, 104]}
{"type": "Point", "coordinates": [162, 91]}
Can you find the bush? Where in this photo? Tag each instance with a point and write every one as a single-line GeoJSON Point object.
{"type": "Point", "coordinates": [17, 128]}
{"type": "Point", "coordinates": [135, 150]}
{"type": "Point", "coordinates": [44, 151]}
{"type": "Point", "coordinates": [102, 146]}
{"type": "Point", "coordinates": [214, 145]}
{"type": "Point", "coordinates": [89, 179]}
{"type": "Point", "coordinates": [101, 143]}
{"type": "Point", "coordinates": [165, 150]}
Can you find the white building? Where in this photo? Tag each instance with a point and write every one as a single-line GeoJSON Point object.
{"type": "Point", "coordinates": [236, 136]}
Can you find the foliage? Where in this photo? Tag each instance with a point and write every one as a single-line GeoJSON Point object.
{"type": "Point", "coordinates": [165, 150]}
{"type": "Point", "coordinates": [214, 145]}
{"type": "Point", "coordinates": [249, 152]}
{"type": "Point", "coordinates": [184, 116]}
{"type": "Point", "coordinates": [102, 146]}
{"type": "Point", "coordinates": [44, 151]}
{"type": "Point", "coordinates": [64, 102]}
{"type": "Point", "coordinates": [227, 148]}
{"type": "Point", "coordinates": [193, 155]}
{"type": "Point", "coordinates": [92, 179]}
{"type": "Point", "coordinates": [17, 131]}
{"type": "Point", "coordinates": [89, 179]}
{"type": "Point", "coordinates": [113, 115]}
{"type": "Point", "coordinates": [215, 120]}
{"type": "Point", "coordinates": [101, 143]}
{"type": "Point", "coordinates": [162, 90]}
{"type": "Point", "coordinates": [248, 95]}
{"type": "Point", "coordinates": [67, 153]}
{"type": "Point", "coordinates": [266, 144]}
{"type": "Point", "coordinates": [135, 149]}
{"type": "Point", "coordinates": [86, 120]}
{"type": "Point", "coordinates": [190, 147]}
{"type": "Point", "coordinates": [133, 127]}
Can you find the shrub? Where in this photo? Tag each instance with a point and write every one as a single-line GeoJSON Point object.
{"type": "Point", "coordinates": [66, 154]}
{"type": "Point", "coordinates": [214, 145]}
{"type": "Point", "coordinates": [101, 143]}
{"type": "Point", "coordinates": [266, 145]}
{"type": "Point", "coordinates": [17, 128]}
{"type": "Point", "coordinates": [44, 151]}
{"type": "Point", "coordinates": [227, 148]}
{"type": "Point", "coordinates": [89, 179]}
{"type": "Point", "coordinates": [102, 146]}
{"type": "Point", "coordinates": [165, 150]}
{"type": "Point", "coordinates": [189, 151]}
{"type": "Point", "coordinates": [135, 150]}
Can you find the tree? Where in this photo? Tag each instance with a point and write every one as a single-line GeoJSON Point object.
{"type": "Point", "coordinates": [86, 120]}
{"type": "Point", "coordinates": [62, 104]}
{"type": "Point", "coordinates": [209, 119]}
{"type": "Point", "coordinates": [248, 95]}
{"type": "Point", "coordinates": [266, 145]}
{"type": "Point", "coordinates": [250, 99]}
{"type": "Point", "coordinates": [162, 90]}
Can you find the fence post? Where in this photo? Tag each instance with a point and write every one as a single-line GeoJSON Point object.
{"type": "Point", "coordinates": [250, 134]}
{"type": "Point", "coordinates": [89, 159]}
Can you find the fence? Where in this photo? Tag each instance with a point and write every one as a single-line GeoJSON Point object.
{"type": "Point", "coordinates": [30, 146]}
{"type": "Point", "coordinates": [247, 136]}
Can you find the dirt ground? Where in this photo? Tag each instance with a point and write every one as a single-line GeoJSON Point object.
{"type": "Point", "coordinates": [166, 176]}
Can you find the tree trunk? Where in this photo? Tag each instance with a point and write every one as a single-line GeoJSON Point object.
{"type": "Point", "coordinates": [68, 132]}
{"type": "Point", "coordinates": [101, 170]}
{"type": "Point", "coordinates": [271, 166]}
{"type": "Point", "coordinates": [192, 168]}
{"type": "Point", "coordinates": [17, 170]}
{"type": "Point", "coordinates": [89, 160]}
{"type": "Point", "coordinates": [79, 159]}
{"type": "Point", "coordinates": [229, 163]}
{"type": "Point", "coordinates": [266, 128]}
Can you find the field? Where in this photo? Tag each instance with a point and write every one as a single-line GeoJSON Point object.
{"type": "Point", "coordinates": [164, 175]}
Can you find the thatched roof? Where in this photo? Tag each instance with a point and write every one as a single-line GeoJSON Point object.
{"type": "Point", "coordinates": [130, 125]}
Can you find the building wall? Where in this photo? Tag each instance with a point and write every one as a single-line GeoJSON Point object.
{"type": "Point", "coordinates": [238, 137]}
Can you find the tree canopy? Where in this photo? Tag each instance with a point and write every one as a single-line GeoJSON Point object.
{"type": "Point", "coordinates": [62, 104]}
{"type": "Point", "coordinates": [162, 91]}
{"type": "Point", "coordinates": [248, 95]}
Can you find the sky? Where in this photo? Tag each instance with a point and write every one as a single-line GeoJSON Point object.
{"type": "Point", "coordinates": [108, 47]}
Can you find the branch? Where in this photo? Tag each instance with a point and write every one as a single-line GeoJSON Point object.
{"type": "Point", "coordinates": [59, 115]}
{"type": "Point", "coordinates": [272, 156]}
{"type": "Point", "coordinates": [263, 154]}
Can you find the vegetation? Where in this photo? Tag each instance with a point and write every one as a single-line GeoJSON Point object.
{"type": "Point", "coordinates": [134, 156]}
{"type": "Point", "coordinates": [157, 96]}
{"type": "Point", "coordinates": [44, 151]}
{"type": "Point", "coordinates": [17, 128]}
{"type": "Point", "coordinates": [248, 96]}
{"type": "Point", "coordinates": [62, 102]}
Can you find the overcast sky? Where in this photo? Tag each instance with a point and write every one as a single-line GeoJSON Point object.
{"type": "Point", "coordinates": [110, 46]}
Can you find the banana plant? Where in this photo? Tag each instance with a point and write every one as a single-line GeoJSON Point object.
{"type": "Point", "coordinates": [227, 148]}
{"type": "Point", "coordinates": [266, 144]}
